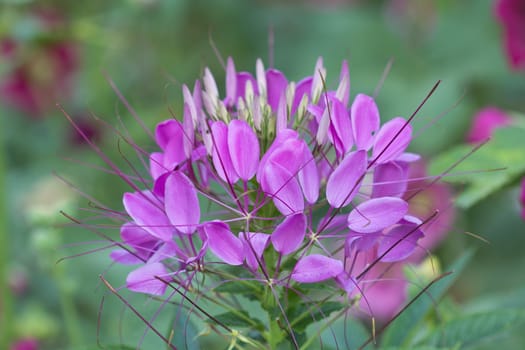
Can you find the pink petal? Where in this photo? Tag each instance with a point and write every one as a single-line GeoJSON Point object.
{"type": "Point", "coordinates": [390, 179]}
{"type": "Point", "coordinates": [281, 115]}
{"type": "Point", "coordinates": [316, 268]}
{"type": "Point", "coordinates": [223, 243]}
{"type": "Point", "coordinates": [138, 239]}
{"type": "Point", "coordinates": [288, 235]}
{"type": "Point", "coordinates": [276, 84]}
{"type": "Point", "coordinates": [343, 90]}
{"type": "Point", "coordinates": [188, 132]}
{"type": "Point", "coordinates": [181, 202]}
{"type": "Point", "coordinates": [144, 279]}
{"type": "Point", "coordinates": [166, 131]}
{"type": "Point", "coordinates": [147, 212]}
{"type": "Point", "coordinates": [377, 214]}
{"type": "Point", "coordinates": [279, 183]}
{"type": "Point", "coordinates": [342, 127]}
{"type": "Point", "coordinates": [231, 83]}
{"type": "Point", "coordinates": [242, 81]}
{"type": "Point", "coordinates": [308, 177]}
{"type": "Point", "coordinates": [156, 164]}
{"type": "Point", "coordinates": [345, 180]}
{"type": "Point", "coordinates": [392, 140]}
{"type": "Point", "coordinates": [400, 242]}
{"type": "Point", "coordinates": [124, 257]}
{"type": "Point", "coordinates": [254, 243]}
{"type": "Point", "coordinates": [281, 138]}
{"type": "Point", "coordinates": [365, 121]}
{"type": "Point", "coordinates": [302, 88]}
{"type": "Point", "coordinates": [221, 154]}
{"type": "Point", "coordinates": [243, 148]}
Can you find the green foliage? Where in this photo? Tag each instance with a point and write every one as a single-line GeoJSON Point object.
{"type": "Point", "coordinates": [473, 330]}
{"type": "Point", "coordinates": [498, 163]}
{"type": "Point", "coordinates": [404, 327]}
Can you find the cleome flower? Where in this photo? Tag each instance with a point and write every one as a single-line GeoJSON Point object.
{"type": "Point", "coordinates": [292, 168]}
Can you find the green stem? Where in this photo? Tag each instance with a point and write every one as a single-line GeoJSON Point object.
{"type": "Point", "coordinates": [67, 307]}
{"type": "Point", "coordinates": [6, 311]}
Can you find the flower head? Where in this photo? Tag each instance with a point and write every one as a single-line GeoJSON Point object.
{"type": "Point", "coordinates": [284, 183]}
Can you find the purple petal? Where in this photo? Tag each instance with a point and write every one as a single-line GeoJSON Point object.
{"type": "Point", "coordinates": [316, 268]}
{"type": "Point", "coordinates": [303, 88]}
{"type": "Point", "coordinates": [343, 90]}
{"type": "Point", "coordinates": [242, 81]}
{"type": "Point", "coordinates": [281, 138]}
{"type": "Point", "coordinates": [308, 177]}
{"type": "Point", "coordinates": [400, 242]}
{"type": "Point", "coordinates": [231, 83]}
{"type": "Point", "coordinates": [365, 121]}
{"type": "Point", "coordinates": [289, 234]}
{"type": "Point", "coordinates": [181, 202]}
{"type": "Point", "coordinates": [188, 132]}
{"type": "Point", "coordinates": [377, 214]}
{"type": "Point", "coordinates": [124, 257]}
{"type": "Point", "coordinates": [243, 148]}
{"type": "Point", "coordinates": [342, 127]}
{"type": "Point", "coordinates": [345, 180]}
{"type": "Point", "coordinates": [279, 183]}
{"type": "Point", "coordinates": [156, 164]}
{"type": "Point", "coordinates": [392, 140]}
{"type": "Point", "coordinates": [254, 243]}
{"type": "Point", "coordinates": [223, 243]}
{"type": "Point", "coordinates": [138, 239]}
{"type": "Point", "coordinates": [147, 213]}
{"type": "Point", "coordinates": [166, 131]}
{"type": "Point", "coordinates": [221, 154]}
{"type": "Point", "coordinates": [282, 115]}
{"type": "Point", "coordinates": [144, 279]}
{"type": "Point", "coordinates": [276, 84]}
{"type": "Point", "coordinates": [390, 179]}
{"type": "Point", "coordinates": [168, 250]}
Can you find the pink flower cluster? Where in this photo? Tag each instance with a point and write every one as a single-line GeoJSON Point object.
{"type": "Point", "coordinates": [303, 187]}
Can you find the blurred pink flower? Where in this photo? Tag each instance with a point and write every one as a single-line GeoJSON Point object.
{"type": "Point", "coordinates": [511, 14]}
{"type": "Point", "coordinates": [427, 200]}
{"type": "Point", "coordinates": [522, 198]}
{"type": "Point", "coordinates": [25, 344]}
{"type": "Point", "coordinates": [40, 71]}
{"type": "Point", "coordinates": [484, 123]}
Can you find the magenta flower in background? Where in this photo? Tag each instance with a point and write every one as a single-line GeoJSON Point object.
{"type": "Point", "coordinates": [511, 15]}
{"type": "Point", "coordinates": [484, 123]}
{"type": "Point", "coordinates": [25, 344]}
{"type": "Point", "coordinates": [423, 200]}
{"type": "Point", "coordinates": [522, 198]}
{"type": "Point", "coordinates": [40, 71]}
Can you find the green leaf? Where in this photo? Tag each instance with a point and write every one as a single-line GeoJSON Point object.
{"type": "Point", "coordinates": [399, 332]}
{"type": "Point", "coordinates": [472, 330]}
{"type": "Point", "coordinates": [237, 319]}
{"type": "Point", "coordinates": [252, 291]}
{"type": "Point", "coordinates": [311, 313]}
{"type": "Point", "coordinates": [505, 151]}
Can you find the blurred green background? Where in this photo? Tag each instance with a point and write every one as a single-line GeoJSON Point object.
{"type": "Point", "coordinates": [68, 52]}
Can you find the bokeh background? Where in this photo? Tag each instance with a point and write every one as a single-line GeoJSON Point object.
{"type": "Point", "coordinates": [71, 52]}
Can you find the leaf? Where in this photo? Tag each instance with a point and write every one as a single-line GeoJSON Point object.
{"type": "Point", "coordinates": [237, 319]}
{"type": "Point", "coordinates": [505, 151]}
{"type": "Point", "coordinates": [476, 329]}
{"type": "Point", "coordinates": [306, 315]}
{"type": "Point", "coordinates": [250, 291]}
{"type": "Point", "coordinates": [409, 321]}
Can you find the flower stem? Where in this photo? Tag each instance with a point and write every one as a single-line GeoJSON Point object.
{"type": "Point", "coordinates": [5, 292]}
